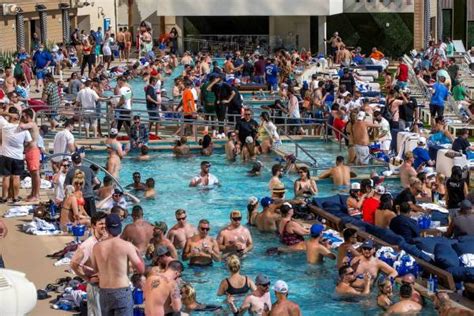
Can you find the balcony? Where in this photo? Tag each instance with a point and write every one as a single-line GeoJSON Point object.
{"type": "Point", "coordinates": [379, 6]}
{"type": "Point", "coordinates": [248, 7]}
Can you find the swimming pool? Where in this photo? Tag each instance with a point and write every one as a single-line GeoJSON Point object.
{"type": "Point", "coordinates": [310, 286]}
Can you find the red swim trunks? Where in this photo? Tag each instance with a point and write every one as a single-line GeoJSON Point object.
{"type": "Point", "coordinates": [32, 157]}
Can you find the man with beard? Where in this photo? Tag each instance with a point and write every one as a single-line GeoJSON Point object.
{"type": "Point", "coordinates": [179, 233]}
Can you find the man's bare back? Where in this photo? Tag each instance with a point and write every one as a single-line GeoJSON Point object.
{"type": "Point", "coordinates": [139, 233]}
{"type": "Point", "coordinates": [286, 308]}
{"type": "Point", "coordinates": [315, 252]}
{"type": "Point", "coordinates": [266, 221]}
{"type": "Point", "coordinates": [405, 307]}
{"type": "Point", "coordinates": [360, 133]}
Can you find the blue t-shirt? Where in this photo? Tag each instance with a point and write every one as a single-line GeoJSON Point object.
{"type": "Point", "coordinates": [421, 155]}
{"type": "Point", "coordinates": [272, 74]}
{"type": "Point", "coordinates": [42, 58]}
{"type": "Point", "coordinates": [439, 138]}
{"type": "Point", "coordinates": [440, 94]}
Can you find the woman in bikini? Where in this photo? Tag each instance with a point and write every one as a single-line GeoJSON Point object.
{"type": "Point", "coordinates": [86, 56]}
{"type": "Point", "coordinates": [304, 185]}
{"type": "Point", "coordinates": [114, 148]}
{"type": "Point", "coordinates": [73, 210]}
{"type": "Point", "coordinates": [291, 233]}
{"type": "Point", "coordinates": [236, 284]}
{"type": "Point", "coordinates": [267, 133]}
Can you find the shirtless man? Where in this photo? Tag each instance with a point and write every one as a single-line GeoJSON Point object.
{"type": "Point", "coordinates": [235, 238]}
{"type": "Point", "coordinates": [277, 174]}
{"type": "Point", "coordinates": [180, 232]}
{"type": "Point", "coordinates": [80, 262]}
{"type": "Point", "coordinates": [443, 304]}
{"type": "Point", "coordinates": [140, 232]}
{"type": "Point", "coordinates": [201, 249]}
{"type": "Point", "coordinates": [110, 259]}
{"type": "Point", "coordinates": [232, 147]}
{"type": "Point", "coordinates": [361, 138]}
{"type": "Point", "coordinates": [266, 221]}
{"type": "Point", "coordinates": [205, 178]}
{"type": "Point", "coordinates": [137, 184]}
{"type": "Point", "coordinates": [406, 305]}
{"type": "Point", "coordinates": [161, 259]}
{"type": "Point", "coordinates": [162, 291]}
{"type": "Point", "coordinates": [415, 296]}
{"type": "Point", "coordinates": [10, 81]}
{"type": "Point", "coordinates": [32, 153]}
{"type": "Point", "coordinates": [128, 43]}
{"type": "Point", "coordinates": [159, 239]}
{"type": "Point", "coordinates": [121, 43]}
{"type": "Point", "coordinates": [346, 250]}
{"type": "Point", "coordinates": [283, 306]}
{"type": "Point", "coordinates": [340, 174]}
{"type": "Point", "coordinates": [367, 263]}
{"type": "Point", "coordinates": [407, 170]}
{"type": "Point", "coordinates": [347, 278]}
{"type": "Point", "coordinates": [258, 303]}
{"type": "Point", "coordinates": [316, 250]}
{"type": "Point", "coordinates": [107, 188]}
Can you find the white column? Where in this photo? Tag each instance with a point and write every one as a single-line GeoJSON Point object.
{"type": "Point", "coordinates": [322, 34]}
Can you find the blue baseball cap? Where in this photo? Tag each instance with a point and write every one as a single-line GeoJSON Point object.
{"type": "Point", "coordinates": [316, 230]}
{"type": "Point", "coordinates": [368, 244]}
{"type": "Point", "coordinates": [266, 201]}
{"type": "Point", "coordinates": [113, 224]}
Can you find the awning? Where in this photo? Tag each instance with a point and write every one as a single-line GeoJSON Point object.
{"type": "Point", "coordinates": [248, 7]}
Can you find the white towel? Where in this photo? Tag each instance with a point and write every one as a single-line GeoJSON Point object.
{"type": "Point", "coordinates": [18, 211]}
{"type": "Point", "coordinates": [467, 260]}
{"type": "Point", "coordinates": [40, 227]}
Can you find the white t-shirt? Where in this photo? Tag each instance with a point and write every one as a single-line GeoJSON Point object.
{"type": "Point", "coordinates": [59, 188]}
{"type": "Point", "coordinates": [106, 47]}
{"type": "Point", "coordinates": [126, 93]}
{"type": "Point", "coordinates": [294, 107]}
{"type": "Point", "coordinates": [61, 141]}
{"type": "Point", "coordinates": [212, 180]}
{"type": "Point", "coordinates": [13, 139]}
{"type": "Point", "coordinates": [385, 127]}
{"type": "Point", "coordinates": [87, 98]}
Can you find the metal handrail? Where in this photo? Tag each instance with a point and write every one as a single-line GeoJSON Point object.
{"type": "Point", "coordinates": [315, 163]}
{"type": "Point", "coordinates": [50, 156]}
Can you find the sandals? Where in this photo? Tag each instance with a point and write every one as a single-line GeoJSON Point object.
{"type": "Point", "coordinates": [3, 201]}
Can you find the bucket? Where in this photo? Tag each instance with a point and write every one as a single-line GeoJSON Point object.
{"type": "Point", "coordinates": [78, 230]}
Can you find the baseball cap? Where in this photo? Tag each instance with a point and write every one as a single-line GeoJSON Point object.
{"type": "Point", "coordinates": [252, 200]}
{"type": "Point", "coordinates": [76, 158]}
{"type": "Point", "coordinates": [361, 116]}
{"type": "Point", "coordinates": [262, 280]}
{"type": "Point", "coordinates": [316, 230]}
{"type": "Point", "coordinates": [380, 189]}
{"type": "Point", "coordinates": [266, 201]}
{"type": "Point", "coordinates": [355, 186]}
{"type": "Point", "coordinates": [422, 140]}
{"type": "Point", "coordinates": [161, 250]}
{"type": "Point", "coordinates": [236, 81]}
{"type": "Point", "coordinates": [369, 243]}
{"type": "Point", "coordinates": [280, 287]}
{"type": "Point", "coordinates": [235, 213]}
{"type": "Point", "coordinates": [248, 140]}
{"type": "Point", "coordinates": [113, 131]}
{"type": "Point", "coordinates": [118, 191]}
{"type": "Point", "coordinates": [113, 224]}
{"type": "Point", "coordinates": [465, 205]}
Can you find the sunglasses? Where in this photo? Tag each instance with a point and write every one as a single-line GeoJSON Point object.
{"type": "Point", "coordinates": [65, 166]}
{"type": "Point", "coordinates": [116, 195]}
{"type": "Point", "coordinates": [181, 218]}
{"type": "Point", "coordinates": [236, 219]}
{"type": "Point", "coordinates": [265, 285]}
{"type": "Point", "coordinates": [78, 183]}
{"type": "Point", "coordinates": [366, 248]}
{"type": "Point", "coordinates": [204, 229]}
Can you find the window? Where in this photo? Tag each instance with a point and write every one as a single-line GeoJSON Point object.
{"type": "Point", "coordinates": [470, 34]}
{"type": "Point", "coordinates": [447, 23]}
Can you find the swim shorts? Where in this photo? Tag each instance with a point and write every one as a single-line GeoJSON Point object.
{"type": "Point", "coordinates": [11, 167]}
{"type": "Point", "coordinates": [116, 301]}
{"type": "Point", "coordinates": [362, 154]}
{"type": "Point", "coordinates": [32, 157]}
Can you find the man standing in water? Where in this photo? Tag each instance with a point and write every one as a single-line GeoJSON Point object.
{"type": "Point", "coordinates": [406, 305]}
{"type": "Point", "coordinates": [347, 278]}
{"type": "Point", "coordinates": [201, 249]}
{"type": "Point", "coordinates": [283, 306]}
{"type": "Point", "coordinates": [258, 303]}
{"type": "Point", "coordinates": [235, 238]}
{"type": "Point", "coordinates": [162, 291]}
{"type": "Point", "coordinates": [110, 259]}
{"type": "Point", "coordinates": [179, 233]}
{"type": "Point", "coordinates": [367, 263]}
{"type": "Point", "coordinates": [340, 174]}
{"type": "Point", "coordinates": [204, 178]}
{"type": "Point", "coordinates": [315, 250]}
{"type": "Point", "coordinates": [140, 232]}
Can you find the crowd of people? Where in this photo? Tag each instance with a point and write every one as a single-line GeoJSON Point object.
{"type": "Point", "coordinates": [210, 92]}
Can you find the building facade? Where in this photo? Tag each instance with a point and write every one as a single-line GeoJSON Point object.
{"type": "Point", "coordinates": [21, 19]}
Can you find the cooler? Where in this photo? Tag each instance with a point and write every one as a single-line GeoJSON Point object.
{"type": "Point", "coordinates": [445, 164]}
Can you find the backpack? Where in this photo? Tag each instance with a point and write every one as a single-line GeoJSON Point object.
{"type": "Point", "coordinates": [18, 71]}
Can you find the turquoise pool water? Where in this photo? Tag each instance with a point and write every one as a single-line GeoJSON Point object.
{"type": "Point", "coordinates": [310, 286]}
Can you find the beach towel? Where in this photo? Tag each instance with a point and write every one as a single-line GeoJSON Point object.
{"type": "Point", "coordinates": [467, 260]}
{"type": "Point", "coordinates": [18, 211]}
{"type": "Point", "coordinates": [333, 237]}
{"type": "Point", "coordinates": [40, 227]}
{"type": "Point", "coordinates": [26, 183]}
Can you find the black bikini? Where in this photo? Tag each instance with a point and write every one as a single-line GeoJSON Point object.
{"type": "Point", "coordinates": [236, 291]}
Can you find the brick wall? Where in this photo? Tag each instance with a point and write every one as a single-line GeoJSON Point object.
{"type": "Point", "coordinates": [418, 33]}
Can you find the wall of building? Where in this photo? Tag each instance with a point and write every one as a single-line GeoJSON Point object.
{"type": "Point", "coordinates": [290, 30]}
{"type": "Point", "coordinates": [143, 10]}
{"type": "Point", "coordinates": [96, 14]}
{"type": "Point", "coordinates": [375, 6]}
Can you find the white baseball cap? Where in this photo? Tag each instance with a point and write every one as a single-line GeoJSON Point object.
{"type": "Point", "coordinates": [355, 186]}
{"type": "Point", "coordinates": [361, 116]}
{"type": "Point", "coordinates": [248, 140]}
{"type": "Point", "coordinates": [422, 140]}
{"type": "Point", "coordinates": [113, 131]}
{"type": "Point", "coordinates": [280, 287]}
{"type": "Point", "coordinates": [380, 189]}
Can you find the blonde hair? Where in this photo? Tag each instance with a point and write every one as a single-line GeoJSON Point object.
{"type": "Point", "coordinates": [233, 263]}
{"type": "Point", "coordinates": [68, 190]}
{"type": "Point", "coordinates": [79, 176]}
{"type": "Point", "coordinates": [188, 292]}
{"type": "Point", "coordinates": [440, 177]}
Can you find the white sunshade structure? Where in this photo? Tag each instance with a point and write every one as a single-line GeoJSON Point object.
{"type": "Point", "coordinates": [249, 7]}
